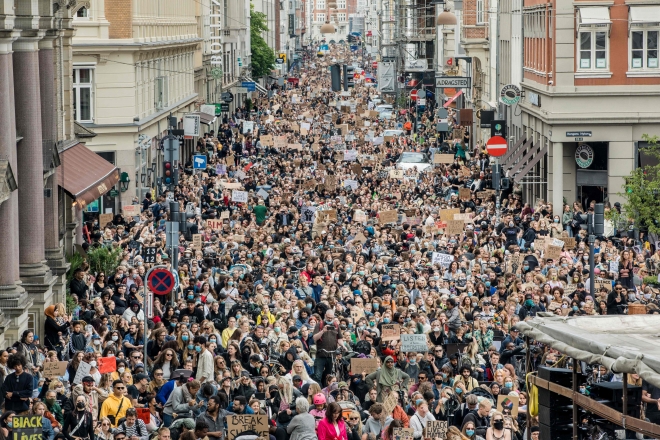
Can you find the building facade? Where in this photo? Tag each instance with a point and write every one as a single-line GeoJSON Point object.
{"type": "Point", "coordinates": [591, 82]}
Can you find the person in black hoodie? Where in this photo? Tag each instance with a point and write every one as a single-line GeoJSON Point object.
{"type": "Point", "coordinates": [78, 341]}
{"type": "Point", "coordinates": [18, 387]}
{"type": "Point", "coordinates": [78, 286]}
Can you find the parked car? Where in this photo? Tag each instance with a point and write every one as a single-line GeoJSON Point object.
{"type": "Point", "coordinates": [393, 133]}
{"type": "Point", "coordinates": [410, 160]}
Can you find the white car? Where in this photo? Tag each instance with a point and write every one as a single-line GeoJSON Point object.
{"type": "Point", "coordinates": [410, 160]}
{"type": "Point", "coordinates": [393, 133]}
{"type": "Point", "coordinates": [384, 107]}
{"type": "Point", "coordinates": [386, 114]}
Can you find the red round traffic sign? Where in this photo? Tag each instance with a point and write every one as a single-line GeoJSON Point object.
{"type": "Point", "coordinates": [496, 146]}
{"type": "Point", "coordinates": [413, 94]}
{"type": "Point", "coordinates": [161, 281]}
{"type": "Point", "coordinates": [374, 65]}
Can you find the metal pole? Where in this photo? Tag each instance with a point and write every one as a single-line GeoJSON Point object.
{"type": "Point", "coordinates": [575, 407]}
{"type": "Point", "coordinates": [625, 396]}
{"type": "Point", "coordinates": [144, 308]}
{"type": "Point", "coordinates": [528, 369]}
{"type": "Point", "coordinates": [592, 239]}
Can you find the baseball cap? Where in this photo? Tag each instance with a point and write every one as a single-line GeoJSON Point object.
{"type": "Point", "coordinates": [141, 376]}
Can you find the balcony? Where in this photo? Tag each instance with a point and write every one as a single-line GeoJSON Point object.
{"type": "Point", "coordinates": [475, 36]}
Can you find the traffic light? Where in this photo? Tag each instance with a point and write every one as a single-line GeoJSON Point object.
{"type": "Point", "coordinates": [335, 76]}
{"type": "Point", "coordinates": [168, 173]}
{"type": "Point", "coordinates": [505, 183]}
{"type": "Point", "coordinates": [349, 73]}
{"type": "Point", "coordinates": [497, 176]}
{"type": "Point", "coordinates": [351, 38]}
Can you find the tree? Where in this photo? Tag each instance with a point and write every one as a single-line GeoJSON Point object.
{"type": "Point", "coordinates": [642, 191]}
{"type": "Point", "coordinates": [263, 57]}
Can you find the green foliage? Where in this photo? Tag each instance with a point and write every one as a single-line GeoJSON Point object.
{"type": "Point", "coordinates": [76, 260]}
{"type": "Point", "coordinates": [263, 57]}
{"type": "Point", "coordinates": [651, 280]}
{"type": "Point", "coordinates": [103, 259]}
{"type": "Point", "coordinates": [642, 191]}
{"type": "Point", "coordinates": [248, 104]}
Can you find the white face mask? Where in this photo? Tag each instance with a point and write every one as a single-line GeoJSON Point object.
{"type": "Point", "coordinates": [97, 342]}
{"type": "Point", "coordinates": [121, 369]}
{"type": "Point", "coordinates": [436, 329]}
{"type": "Point", "coordinates": [93, 363]}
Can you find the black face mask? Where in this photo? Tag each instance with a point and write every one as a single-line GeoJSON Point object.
{"type": "Point", "coordinates": [80, 406]}
{"type": "Point", "coordinates": [498, 424]}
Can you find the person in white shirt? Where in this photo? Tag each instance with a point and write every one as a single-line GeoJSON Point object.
{"type": "Point", "coordinates": [205, 360]}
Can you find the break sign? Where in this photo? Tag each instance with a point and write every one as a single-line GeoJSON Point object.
{"type": "Point", "coordinates": [496, 146]}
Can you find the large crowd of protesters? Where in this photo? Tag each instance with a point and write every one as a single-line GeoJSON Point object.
{"type": "Point", "coordinates": [289, 286]}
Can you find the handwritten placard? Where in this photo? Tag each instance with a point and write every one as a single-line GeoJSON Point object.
{"type": "Point", "coordinates": [385, 217]}
{"type": "Point", "coordinates": [436, 429]}
{"type": "Point", "coordinates": [416, 343]}
{"type": "Point", "coordinates": [238, 424]}
{"type": "Point", "coordinates": [358, 366]}
{"type": "Point", "coordinates": [455, 227]}
{"type": "Point", "coordinates": [390, 332]}
{"type": "Point", "coordinates": [54, 368]}
{"type": "Point", "coordinates": [443, 158]}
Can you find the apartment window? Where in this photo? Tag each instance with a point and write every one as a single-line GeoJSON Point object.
{"type": "Point", "coordinates": [341, 4]}
{"type": "Point", "coordinates": [320, 18]}
{"type": "Point", "coordinates": [83, 94]}
{"type": "Point", "coordinates": [320, 4]}
{"type": "Point", "coordinates": [593, 50]}
{"type": "Point", "coordinates": [644, 49]}
{"type": "Point", "coordinates": [225, 13]}
{"type": "Point", "coordinates": [160, 91]}
{"type": "Point", "coordinates": [341, 16]}
{"type": "Point", "coordinates": [480, 11]}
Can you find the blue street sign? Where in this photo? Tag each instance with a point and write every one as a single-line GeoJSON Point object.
{"type": "Point", "coordinates": [249, 85]}
{"type": "Point", "coordinates": [199, 162]}
{"type": "Point", "coordinates": [324, 47]}
{"type": "Point", "coordinates": [354, 48]}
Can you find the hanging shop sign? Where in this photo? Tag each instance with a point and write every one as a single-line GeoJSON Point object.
{"type": "Point", "coordinates": [584, 156]}
{"type": "Point", "coordinates": [510, 94]}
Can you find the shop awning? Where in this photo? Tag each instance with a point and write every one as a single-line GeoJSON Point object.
{"type": "Point", "coordinates": [594, 16]}
{"type": "Point", "coordinates": [453, 98]}
{"type": "Point", "coordinates": [257, 86]}
{"type": "Point", "coordinates": [85, 175]}
{"type": "Point", "coordinates": [639, 15]}
{"type": "Point", "coordinates": [205, 118]}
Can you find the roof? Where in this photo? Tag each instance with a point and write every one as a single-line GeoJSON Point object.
{"type": "Point", "coordinates": [622, 343]}
{"type": "Point", "coordinates": [82, 132]}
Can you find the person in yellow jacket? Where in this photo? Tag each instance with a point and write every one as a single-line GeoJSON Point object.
{"type": "Point", "coordinates": [115, 406]}
{"type": "Point", "coordinates": [266, 318]}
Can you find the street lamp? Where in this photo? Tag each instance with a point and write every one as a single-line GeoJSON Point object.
{"type": "Point", "coordinates": [445, 17]}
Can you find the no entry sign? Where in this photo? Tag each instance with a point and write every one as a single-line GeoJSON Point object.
{"type": "Point", "coordinates": [496, 146]}
{"type": "Point", "coordinates": [161, 281]}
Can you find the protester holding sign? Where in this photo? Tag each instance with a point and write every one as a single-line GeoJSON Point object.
{"type": "Point", "coordinates": [388, 378]}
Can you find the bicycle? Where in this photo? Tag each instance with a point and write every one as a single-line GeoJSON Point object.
{"type": "Point", "coordinates": [339, 368]}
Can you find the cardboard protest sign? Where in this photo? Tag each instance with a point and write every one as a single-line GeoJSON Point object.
{"type": "Point", "coordinates": [417, 343]}
{"type": "Point", "coordinates": [104, 219]}
{"type": "Point", "coordinates": [107, 364]}
{"type": "Point", "coordinates": [237, 424]}
{"type": "Point", "coordinates": [215, 224]}
{"type": "Point", "coordinates": [360, 237]}
{"type": "Point", "coordinates": [356, 168]}
{"type": "Point", "coordinates": [267, 140]}
{"type": "Point", "coordinates": [465, 217]}
{"type": "Point", "coordinates": [389, 403]}
{"type": "Point", "coordinates": [197, 241]}
{"type": "Point", "coordinates": [508, 405]}
{"type": "Point", "coordinates": [359, 216]}
{"type": "Point", "coordinates": [367, 364]}
{"type": "Point", "coordinates": [396, 174]}
{"type": "Point", "coordinates": [436, 429]}
{"type": "Point", "coordinates": [448, 214]}
{"type": "Point", "coordinates": [385, 217]}
{"type": "Point", "coordinates": [54, 368]}
{"type": "Point", "coordinates": [569, 242]}
{"type": "Point", "coordinates": [131, 210]}
{"type": "Point", "coordinates": [390, 332]}
{"type": "Point", "coordinates": [238, 238]}
{"type": "Point", "coordinates": [464, 193]}
{"type": "Point", "coordinates": [403, 433]}
{"type": "Point", "coordinates": [552, 252]}
{"type": "Point", "coordinates": [607, 284]}
{"type": "Point", "coordinates": [443, 158]}
{"type": "Point", "coordinates": [455, 227]}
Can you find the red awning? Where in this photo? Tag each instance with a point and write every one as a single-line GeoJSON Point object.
{"type": "Point", "coordinates": [85, 175]}
{"type": "Point", "coordinates": [453, 98]}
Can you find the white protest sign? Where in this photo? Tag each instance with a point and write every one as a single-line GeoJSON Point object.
{"type": "Point", "coordinates": [239, 196]}
{"type": "Point", "coordinates": [442, 259]}
{"type": "Point", "coordinates": [353, 184]}
{"type": "Point", "coordinates": [248, 126]}
{"type": "Point", "coordinates": [350, 155]}
{"type": "Point", "coordinates": [83, 370]}
{"type": "Point", "coordinates": [308, 214]}
{"type": "Point", "coordinates": [415, 343]}
{"type": "Point", "coordinates": [262, 193]}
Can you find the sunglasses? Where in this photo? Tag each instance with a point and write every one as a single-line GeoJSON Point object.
{"type": "Point", "coordinates": [354, 418]}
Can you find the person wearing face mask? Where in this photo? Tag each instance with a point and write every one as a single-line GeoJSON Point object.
{"type": "Point", "coordinates": [409, 365]}
{"type": "Point", "coordinates": [205, 360]}
{"type": "Point", "coordinates": [496, 430]}
{"type": "Point", "coordinates": [528, 308]}
{"type": "Point", "coordinates": [93, 395]}
{"type": "Point", "coordinates": [421, 418]}
{"type": "Point", "coordinates": [79, 423]}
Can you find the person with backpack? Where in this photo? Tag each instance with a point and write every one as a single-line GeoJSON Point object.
{"type": "Point", "coordinates": [133, 427]}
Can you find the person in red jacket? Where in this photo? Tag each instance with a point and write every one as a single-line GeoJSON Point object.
{"type": "Point", "coordinates": [332, 427]}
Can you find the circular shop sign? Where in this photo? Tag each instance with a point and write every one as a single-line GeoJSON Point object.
{"type": "Point", "coordinates": [510, 94]}
{"type": "Point", "coordinates": [584, 156]}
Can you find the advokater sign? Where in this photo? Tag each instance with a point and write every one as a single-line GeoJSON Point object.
{"type": "Point", "coordinates": [456, 82]}
{"type": "Point", "coordinates": [215, 31]}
